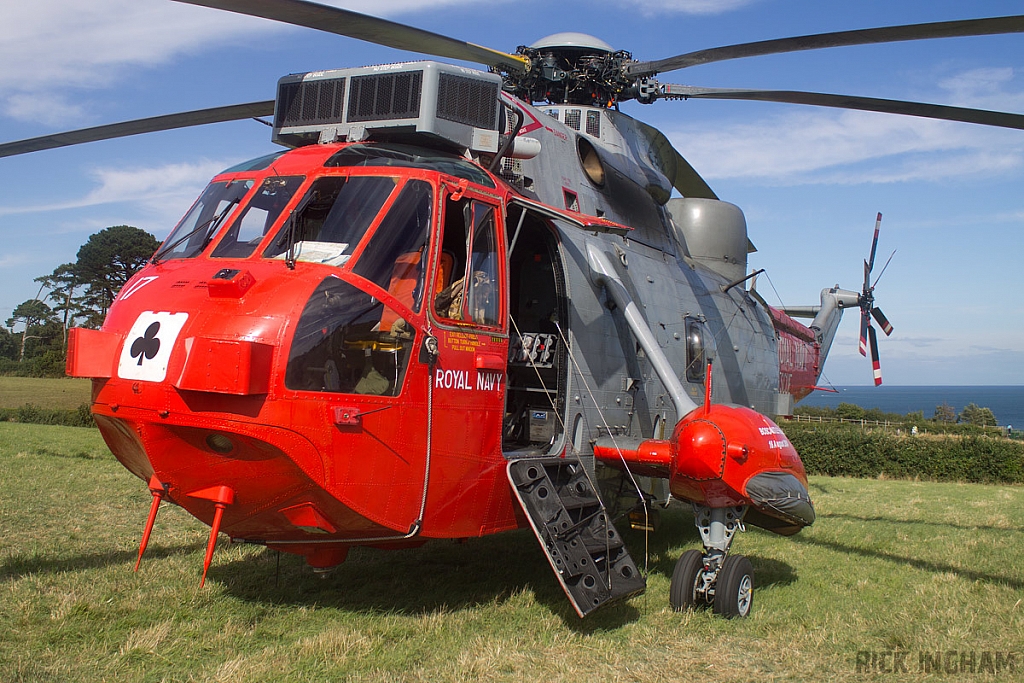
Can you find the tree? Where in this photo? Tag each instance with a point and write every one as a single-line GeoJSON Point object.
{"type": "Point", "coordinates": [109, 259]}
{"type": "Point", "coordinates": [850, 411]}
{"type": "Point", "coordinates": [945, 413]}
{"type": "Point", "coordinates": [31, 313]}
{"type": "Point", "coordinates": [62, 283]}
{"type": "Point", "coordinates": [982, 417]}
{"type": "Point", "coordinates": [8, 345]}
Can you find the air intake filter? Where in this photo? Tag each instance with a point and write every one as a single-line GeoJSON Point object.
{"type": "Point", "coordinates": [432, 103]}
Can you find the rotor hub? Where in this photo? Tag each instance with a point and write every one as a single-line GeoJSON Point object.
{"type": "Point", "coordinates": [572, 68]}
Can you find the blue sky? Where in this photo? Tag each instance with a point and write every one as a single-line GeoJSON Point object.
{"type": "Point", "coordinates": [809, 180]}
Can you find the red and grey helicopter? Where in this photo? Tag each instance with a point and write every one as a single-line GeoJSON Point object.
{"type": "Point", "coordinates": [460, 302]}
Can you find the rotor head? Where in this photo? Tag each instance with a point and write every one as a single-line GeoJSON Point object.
{"type": "Point", "coordinates": [572, 41]}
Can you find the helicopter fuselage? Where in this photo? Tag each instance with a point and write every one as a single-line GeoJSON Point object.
{"type": "Point", "coordinates": [348, 342]}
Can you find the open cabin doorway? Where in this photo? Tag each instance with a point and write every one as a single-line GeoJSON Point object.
{"type": "Point", "coordinates": [538, 358]}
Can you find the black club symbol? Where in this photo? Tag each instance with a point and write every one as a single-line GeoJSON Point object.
{"type": "Point", "coordinates": [147, 345]}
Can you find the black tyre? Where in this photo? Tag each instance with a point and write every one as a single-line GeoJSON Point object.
{"type": "Point", "coordinates": [682, 594]}
{"type": "Point", "coordinates": [734, 591]}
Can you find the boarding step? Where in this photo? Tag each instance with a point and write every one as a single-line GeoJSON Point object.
{"type": "Point", "coordinates": [572, 525]}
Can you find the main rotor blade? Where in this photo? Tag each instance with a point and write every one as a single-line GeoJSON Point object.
{"type": "Point", "coordinates": [942, 112]}
{"type": "Point", "coordinates": [885, 34]}
{"type": "Point", "coordinates": [199, 117]}
{"type": "Point", "coordinates": [677, 169]}
{"type": "Point", "coordinates": [364, 27]}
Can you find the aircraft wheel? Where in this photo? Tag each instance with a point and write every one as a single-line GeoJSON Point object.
{"type": "Point", "coordinates": [734, 592]}
{"type": "Point", "coordinates": [682, 594]}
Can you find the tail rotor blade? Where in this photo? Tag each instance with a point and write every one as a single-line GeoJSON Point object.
{"type": "Point", "coordinates": [868, 337]}
{"type": "Point", "coordinates": [865, 325]}
{"type": "Point", "coordinates": [874, 242]}
{"type": "Point", "coordinates": [882, 321]}
{"type": "Point", "coordinates": [875, 365]}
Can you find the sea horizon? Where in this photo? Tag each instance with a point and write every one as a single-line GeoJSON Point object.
{"type": "Point", "coordinates": [1006, 401]}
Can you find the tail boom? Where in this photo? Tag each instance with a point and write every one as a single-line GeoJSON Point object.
{"type": "Point", "coordinates": [800, 355]}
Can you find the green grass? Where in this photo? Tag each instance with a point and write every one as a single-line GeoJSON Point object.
{"type": "Point", "coordinates": [66, 393]}
{"type": "Point", "coordinates": [889, 564]}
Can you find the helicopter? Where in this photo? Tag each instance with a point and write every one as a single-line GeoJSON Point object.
{"type": "Point", "coordinates": [462, 302]}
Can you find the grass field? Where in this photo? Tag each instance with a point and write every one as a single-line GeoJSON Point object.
{"type": "Point", "coordinates": [920, 568]}
{"type": "Point", "coordinates": [64, 393]}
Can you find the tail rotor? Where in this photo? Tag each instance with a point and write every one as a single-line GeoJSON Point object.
{"type": "Point", "coordinates": [868, 309]}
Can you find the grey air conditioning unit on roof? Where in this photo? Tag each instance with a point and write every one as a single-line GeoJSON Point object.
{"type": "Point", "coordinates": [427, 102]}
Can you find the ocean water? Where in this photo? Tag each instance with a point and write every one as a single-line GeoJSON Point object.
{"type": "Point", "coordinates": [1006, 402]}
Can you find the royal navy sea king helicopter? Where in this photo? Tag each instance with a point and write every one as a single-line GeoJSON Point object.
{"type": "Point", "coordinates": [463, 302]}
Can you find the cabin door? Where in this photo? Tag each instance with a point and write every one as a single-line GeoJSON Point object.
{"type": "Point", "coordinates": [538, 360]}
{"type": "Point", "coordinates": [469, 319]}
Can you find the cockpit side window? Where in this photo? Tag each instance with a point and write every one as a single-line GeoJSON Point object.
{"type": "Point", "coordinates": [245, 234]}
{"type": "Point", "coordinates": [197, 229]}
{"type": "Point", "coordinates": [470, 243]}
{"type": "Point", "coordinates": [454, 244]}
{"type": "Point", "coordinates": [332, 218]}
{"type": "Point", "coordinates": [482, 294]}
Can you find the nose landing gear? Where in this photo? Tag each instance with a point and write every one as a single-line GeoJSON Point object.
{"type": "Point", "coordinates": [714, 578]}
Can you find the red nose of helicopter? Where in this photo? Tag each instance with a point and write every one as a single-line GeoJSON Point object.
{"type": "Point", "coordinates": [265, 370]}
{"type": "Point", "coordinates": [190, 402]}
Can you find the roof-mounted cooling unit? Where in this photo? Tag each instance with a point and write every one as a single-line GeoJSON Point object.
{"type": "Point", "coordinates": [439, 102]}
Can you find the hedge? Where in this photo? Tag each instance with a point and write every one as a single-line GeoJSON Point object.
{"type": "Point", "coordinates": [850, 451]}
{"type": "Point", "coordinates": [79, 417]}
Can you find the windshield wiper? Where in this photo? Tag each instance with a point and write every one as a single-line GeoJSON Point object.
{"type": "Point", "coordinates": [213, 224]}
{"type": "Point", "coordinates": [287, 237]}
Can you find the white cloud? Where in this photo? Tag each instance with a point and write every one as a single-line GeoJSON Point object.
{"type": "Point", "coordinates": [143, 184]}
{"type": "Point", "coordinates": [46, 45]}
{"type": "Point", "coordinates": [817, 145]}
{"type": "Point", "coordinates": [165, 190]}
{"type": "Point", "coordinates": [81, 44]}
{"type": "Point", "coordinates": [47, 108]}
{"type": "Point", "coordinates": [984, 88]}
{"type": "Point", "coordinates": [831, 147]}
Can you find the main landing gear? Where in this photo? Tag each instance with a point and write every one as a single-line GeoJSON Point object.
{"type": "Point", "coordinates": [715, 578]}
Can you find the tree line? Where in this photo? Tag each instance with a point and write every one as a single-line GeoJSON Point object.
{"type": "Point", "coordinates": [34, 342]}
{"type": "Point", "coordinates": [945, 414]}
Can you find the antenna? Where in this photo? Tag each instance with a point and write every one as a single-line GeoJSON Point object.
{"type": "Point", "coordinates": [707, 389]}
